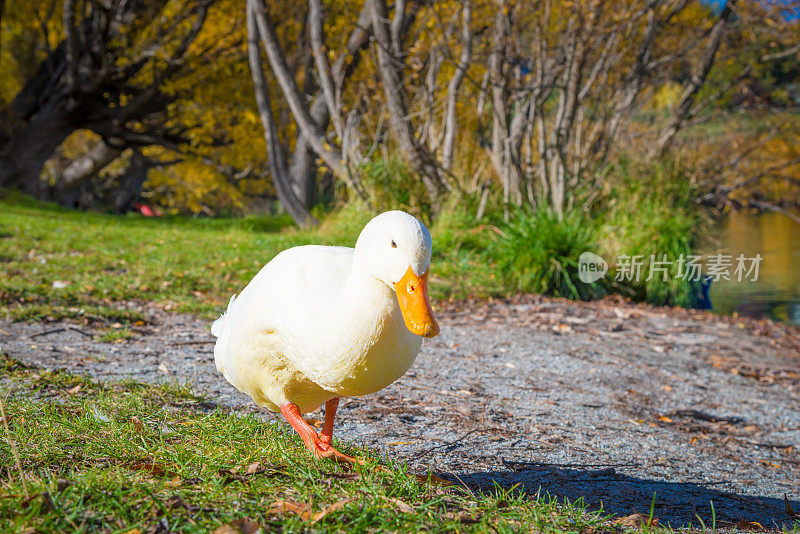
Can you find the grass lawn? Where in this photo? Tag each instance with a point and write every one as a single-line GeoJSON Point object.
{"type": "Point", "coordinates": [83, 456]}
{"type": "Point", "coordinates": [62, 263]}
{"type": "Point", "coordinates": [135, 458]}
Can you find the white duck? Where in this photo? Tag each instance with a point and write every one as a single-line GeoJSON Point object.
{"type": "Point", "coordinates": [318, 323]}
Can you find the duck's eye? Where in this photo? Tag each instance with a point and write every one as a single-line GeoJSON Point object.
{"type": "Point", "coordinates": [394, 245]}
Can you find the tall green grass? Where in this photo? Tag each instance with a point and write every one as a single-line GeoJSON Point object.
{"type": "Point", "coordinates": [538, 252]}
{"type": "Point", "coordinates": [651, 213]}
{"type": "Point", "coordinates": [194, 264]}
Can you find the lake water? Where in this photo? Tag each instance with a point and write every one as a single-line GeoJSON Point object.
{"type": "Point", "coordinates": [776, 291]}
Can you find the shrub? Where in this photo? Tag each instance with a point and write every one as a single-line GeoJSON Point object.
{"type": "Point", "coordinates": [459, 247]}
{"type": "Point", "coordinates": [343, 225]}
{"type": "Point", "coordinates": [392, 184]}
{"type": "Point", "coordinates": [652, 213]}
{"type": "Point", "coordinates": [539, 253]}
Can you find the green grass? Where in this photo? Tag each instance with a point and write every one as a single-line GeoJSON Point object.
{"type": "Point", "coordinates": [119, 457]}
{"type": "Point", "coordinates": [58, 263]}
{"type": "Point", "coordinates": [116, 334]}
{"type": "Point", "coordinates": [539, 254]}
{"type": "Point", "coordinates": [653, 213]}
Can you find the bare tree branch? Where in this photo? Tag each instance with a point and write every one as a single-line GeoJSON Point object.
{"type": "Point", "coordinates": [88, 165]}
{"type": "Point", "coordinates": [455, 84]}
{"type": "Point", "coordinates": [782, 54]}
{"type": "Point", "coordinates": [319, 51]}
{"type": "Point", "coordinates": [683, 110]}
{"type": "Point", "coordinates": [394, 93]}
{"type": "Point", "coordinates": [71, 40]}
{"type": "Point", "coordinates": [277, 163]}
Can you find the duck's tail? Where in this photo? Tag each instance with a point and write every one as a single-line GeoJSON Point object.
{"type": "Point", "coordinates": [219, 324]}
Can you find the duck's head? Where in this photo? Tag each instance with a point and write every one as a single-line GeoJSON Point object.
{"type": "Point", "coordinates": [395, 248]}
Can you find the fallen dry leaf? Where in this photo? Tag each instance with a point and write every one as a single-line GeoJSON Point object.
{"type": "Point", "coordinates": [174, 483]}
{"type": "Point", "coordinates": [751, 526]}
{"type": "Point", "coordinates": [252, 468]}
{"type": "Point", "coordinates": [174, 502]}
{"type": "Point", "coordinates": [238, 526]}
{"type": "Point", "coordinates": [314, 422]}
{"type": "Point", "coordinates": [636, 521]}
{"type": "Point", "coordinates": [402, 506]}
{"type": "Point", "coordinates": [350, 475]}
{"type": "Point", "coordinates": [100, 416]}
{"type": "Point", "coordinates": [230, 475]}
{"type": "Point", "coordinates": [74, 390]}
{"type": "Point", "coordinates": [137, 424]}
{"type": "Point", "coordinates": [789, 510]}
{"type": "Point", "coordinates": [151, 466]}
{"type": "Point", "coordinates": [332, 508]}
{"type": "Point", "coordinates": [462, 517]}
{"type": "Point", "coordinates": [282, 507]}
{"type": "Point", "coordinates": [47, 501]}
{"type": "Point", "coordinates": [664, 419]}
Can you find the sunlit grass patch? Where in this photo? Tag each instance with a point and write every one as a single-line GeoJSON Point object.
{"type": "Point", "coordinates": [117, 457]}
{"type": "Point", "coordinates": [115, 335]}
{"type": "Point", "coordinates": [59, 264]}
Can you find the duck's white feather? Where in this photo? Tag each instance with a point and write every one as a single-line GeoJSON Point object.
{"type": "Point", "coordinates": [309, 327]}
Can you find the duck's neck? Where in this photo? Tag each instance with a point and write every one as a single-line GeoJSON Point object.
{"type": "Point", "coordinates": [361, 286]}
{"type": "Point", "coordinates": [367, 300]}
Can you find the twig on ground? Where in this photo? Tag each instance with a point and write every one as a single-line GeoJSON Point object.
{"type": "Point", "coordinates": [78, 330]}
{"type": "Point", "coordinates": [47, 332]}
{"type": "Point", "coordinates": [422, 453]}
{"type": "Point", "coordinates": [60, 329]}
{"type": "Point", "coordinates": [451, 472]}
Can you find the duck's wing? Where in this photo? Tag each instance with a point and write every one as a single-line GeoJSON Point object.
{"type": "Point", "coordinates": [289, 293]}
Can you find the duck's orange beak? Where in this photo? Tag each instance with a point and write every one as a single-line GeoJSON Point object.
{"type": "Point", "coordinates": [412, 295]}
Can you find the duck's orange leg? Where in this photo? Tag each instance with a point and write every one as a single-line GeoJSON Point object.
{"type": "Point", "coordinates": [320, 446]}
{"type": "Point", "coordinates": [330, 413]}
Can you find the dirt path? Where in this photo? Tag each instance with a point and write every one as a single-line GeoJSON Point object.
{"type": "Point", "coordinates": [606, 401]}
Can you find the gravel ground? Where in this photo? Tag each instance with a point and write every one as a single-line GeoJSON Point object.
{"type": "Point", "coordinates": [607, 401]}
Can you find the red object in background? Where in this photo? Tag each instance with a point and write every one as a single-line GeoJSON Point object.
{"type": "Point", "coordinates": [146, 210]}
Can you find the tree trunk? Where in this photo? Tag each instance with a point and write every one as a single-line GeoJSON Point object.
{"type": "Point", "coordinates": [2, 10]}
{"type": "Point", "coordinates": [683, 110]}
{"type": "Point", "coordinates": [417, 154]}
{"type": "Point", "coordinates": [81, 84]}
{"type": "Point", "coordinates": [277, 163]}
{"type": "Point", "coordinates": [455, 84]}
{"type": "Point", "coordinates": [69, 181]}
{"type": "Point", "coordinates": [29, 146]}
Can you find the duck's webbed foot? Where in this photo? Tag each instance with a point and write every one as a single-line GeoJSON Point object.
{"type": "Point", "coordinates": [319, 444]}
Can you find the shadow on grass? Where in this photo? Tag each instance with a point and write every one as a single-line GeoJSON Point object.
{"type": "Point", "coordinates": [676, 503]}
